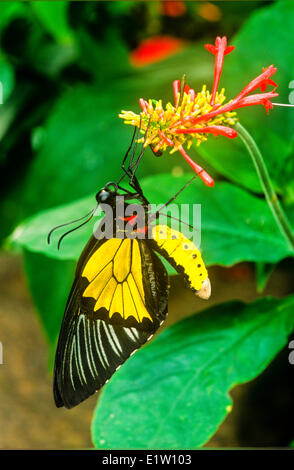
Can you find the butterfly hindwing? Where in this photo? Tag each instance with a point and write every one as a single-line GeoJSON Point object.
{"type": "Point", "coordinates": [96, 338]}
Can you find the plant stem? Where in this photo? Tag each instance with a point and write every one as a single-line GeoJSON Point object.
{"type": "Point", "coordinates": [270, 195]}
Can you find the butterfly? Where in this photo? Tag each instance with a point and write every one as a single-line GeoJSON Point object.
{"type": "Point", "coordinates": [119, 297]}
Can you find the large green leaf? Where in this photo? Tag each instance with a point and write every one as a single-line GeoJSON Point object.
{"type": "Point", "coordinates": [7, 80]}
{"type": "Point", "coordinates": [32, 235]}
{"type": "Point", "coordinates": [53, 16]}
{"type": "Point", "coordinates": [9, 11]}
{"type": "Point", "coordinates": [49, 281]}
{"type": "Point", "coordinates": [173, 393]}
{"type": "Point", "coordinates": [94, 56]}
{"type": "Point", "coordinates": [263, 272]}
{"type": "Point", "coordinates": [236, 226]}
{"type": "Point", "coordinates": [257, 47]}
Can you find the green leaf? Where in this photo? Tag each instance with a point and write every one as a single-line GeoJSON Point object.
{"type": "Point", "coordinates": [263, 273]}
{"type": "Point", "coordinates": [95, 55]}
{"type": "Point", "coordinates": [33, 233]}
{"type": "Point", "coordinates": [7, 81]}
{"type": "Point", "coordinates": [173, 394]}
{"type": "Point", "coordinates": [9, 11]}
{"type": "Point", "coordinates": [54, 18]}
{"type": "Point", "coordinates": [53, 57]}
{"type": "Point", "coordinates": [256, 47]}
{"type": "Point", "coordinates": [235, 226]}
{"type": "Point", "coordinates": [49, 281]}
{"type": "Point", "coordinates": [117, 8]}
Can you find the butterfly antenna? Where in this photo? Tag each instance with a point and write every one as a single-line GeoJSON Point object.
{"type": "Point", "coordinates": [178, 220]}
{"type": "Point", "coordinates": [155, 216]}
{"type": "Point", "coordinates": [68, 223]}
{"type": "Point", "coordinates": [73, 230]}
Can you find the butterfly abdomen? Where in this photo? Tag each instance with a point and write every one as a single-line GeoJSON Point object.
{"type": "Point", "coordinates": [183, 255]}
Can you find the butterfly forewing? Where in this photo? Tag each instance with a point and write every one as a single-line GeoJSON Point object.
{"type": "Point", "coordinates": [117, 302]}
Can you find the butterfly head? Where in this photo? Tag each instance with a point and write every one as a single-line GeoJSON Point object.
{"type": "Point", "coordinates": [107, 194]}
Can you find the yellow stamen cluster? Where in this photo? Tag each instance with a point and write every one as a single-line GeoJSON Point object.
{"type": "Point", "coordinates": [169, 119]}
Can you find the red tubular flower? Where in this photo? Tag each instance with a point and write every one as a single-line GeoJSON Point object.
{"type": "Point", "coordinates": [208, 180]}
{"type": "Point", "coordinates": [261, 81]}
{"type": "Point", "coordinates": [252, 100]}
{"type": "Point", "coordinates": [215, 130]}
{"type": "Point", "coordinates": [144, 105]}
{"type": "Point", "coordinates": [166, 139]}
{"type": "Point", "coordinates": [219, 50]}
{"type": "Point", "coordinates": [187, 89]}
{"type": "Point", "coordinates": [241, 100]}
{"type": "Point", "coordinates": [192, 94]}
{"type": "Point", "coordinates": [176, 87]}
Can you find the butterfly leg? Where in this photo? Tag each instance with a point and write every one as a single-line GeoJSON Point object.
{"type": "Point", "coordinates": [126, 170]}
{"type": "Point", "coordinates": [133, 165]}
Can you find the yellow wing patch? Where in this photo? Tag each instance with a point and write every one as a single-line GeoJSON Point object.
{"type": "Point", "coordinates": [183, 252]}
{"type": "Point", "coordinates": [116, 283]}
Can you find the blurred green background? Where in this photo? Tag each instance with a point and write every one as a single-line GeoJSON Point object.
{"type": "Point", "coordinates": [67, 70]}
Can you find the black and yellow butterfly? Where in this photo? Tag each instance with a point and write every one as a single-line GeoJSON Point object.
{"type": "Point", "coordinates": [118, 300]}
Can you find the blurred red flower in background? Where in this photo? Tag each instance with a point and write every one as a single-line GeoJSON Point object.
{"type": "Point", "coordinates": [155, 49]}
{"type": "Point", "coordinates": [173, 8]}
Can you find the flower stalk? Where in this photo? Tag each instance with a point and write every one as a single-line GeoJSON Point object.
{"type": "Point", "coordinates": [269, 192]}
